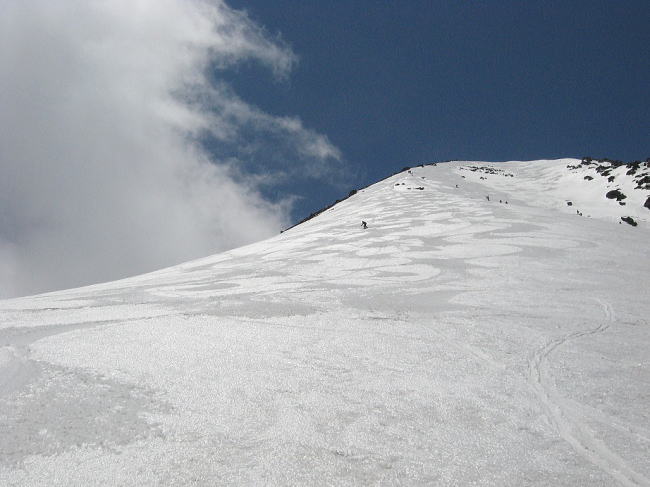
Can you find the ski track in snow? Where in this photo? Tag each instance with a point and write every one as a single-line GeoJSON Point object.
{"type": "Point", "coordinates": [407, 353]}
{"type": "Point", "coordinates": [566, 419]}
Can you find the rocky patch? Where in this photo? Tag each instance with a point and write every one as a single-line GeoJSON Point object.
{"type": "Point", "coordinates": [639, 170]}
{"type": "Point", "coordinates": [619, 174]}
{"type": "Point", "coordinates": [487, 170]}
{"type": "Point", "coordinates": [643, 182]}
{"type": "Point", "coordinates": [615, 194]}
{"type": "Point", "coordinates": [629, 220]}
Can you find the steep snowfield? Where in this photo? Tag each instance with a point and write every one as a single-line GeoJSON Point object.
{"type": "Point", "coordinates": [456, 341]}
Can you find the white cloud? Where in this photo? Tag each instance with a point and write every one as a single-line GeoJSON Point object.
{"type": "Point", "coordinates": [103, 105]}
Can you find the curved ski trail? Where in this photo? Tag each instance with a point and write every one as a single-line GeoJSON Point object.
{"type": "Point", "coordinates": [566, 421]}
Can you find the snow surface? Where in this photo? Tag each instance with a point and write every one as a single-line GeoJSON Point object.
{"type": "Point", "coordinates": [456, 341]}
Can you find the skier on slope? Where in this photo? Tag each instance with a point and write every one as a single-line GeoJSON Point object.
{"type": "Point", "coordinates": [364, 224]}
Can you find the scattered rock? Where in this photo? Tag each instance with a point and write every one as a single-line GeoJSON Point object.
{"type": "Point", "coordinates": [569, 203]}
{"type": "Point", "coordinates": [643, 181]}
{"type": "Point", "coordinates": [630, 220]}
{"type": "Point", "coordinates": [588, 178]}
{"type": "Point", "coordinates": [615, 194]}
{"type": "Point", "coordinates": [611, 179]}
{"type": "Point", "coordinates": [486, 170]}
{"type": "Point", "coordinates": [647, 203]}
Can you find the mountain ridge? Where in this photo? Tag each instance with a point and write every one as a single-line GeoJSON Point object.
{"type": "Point", "coordinates": [604, 168]}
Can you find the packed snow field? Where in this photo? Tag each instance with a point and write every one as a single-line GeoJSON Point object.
{"type": "Point", "coordinates": [458, 340]}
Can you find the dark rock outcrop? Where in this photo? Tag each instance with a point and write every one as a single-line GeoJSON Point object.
{"type": "Point", "coordinates": [645, 180]}
{"type": "Point", "coordinates": [615, 194]}
{"type": "Point", "coordinates": [629, 220]}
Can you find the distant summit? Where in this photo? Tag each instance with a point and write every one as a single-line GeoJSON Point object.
{"type": "Point", "coordinates": [584, 185]}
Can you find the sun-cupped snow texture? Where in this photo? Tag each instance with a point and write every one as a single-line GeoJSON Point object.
{"type": "Point", "coordinates": [477, 332]}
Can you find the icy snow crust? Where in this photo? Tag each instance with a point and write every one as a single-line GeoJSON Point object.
{"type": "Point", "coordinates": [456, 341]}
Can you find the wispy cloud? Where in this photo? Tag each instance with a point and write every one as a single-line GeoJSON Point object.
{"type": "Point", "coordinates": [105, 108]}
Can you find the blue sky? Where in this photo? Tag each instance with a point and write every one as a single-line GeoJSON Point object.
{"type": "Point", "coordinates": [397, 83]}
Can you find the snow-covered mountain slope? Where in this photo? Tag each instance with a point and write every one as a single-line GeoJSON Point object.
{"type": "Point", "coordinates": [599, 189]}
{"type": "Point", "coordinates": [455, 341]}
